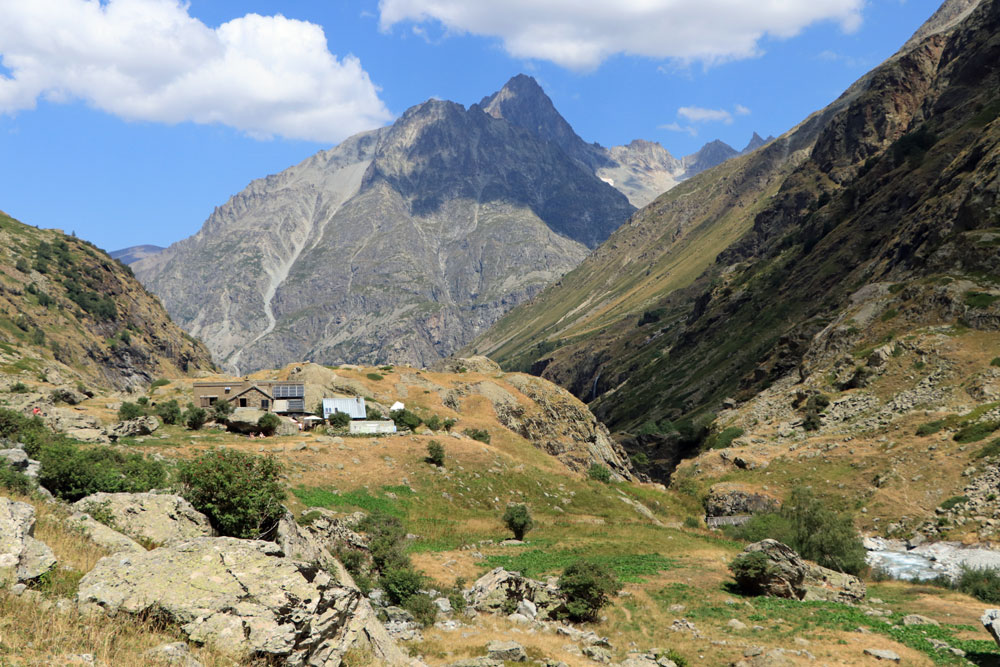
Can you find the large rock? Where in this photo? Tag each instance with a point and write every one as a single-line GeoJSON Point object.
{"type": "Point", "coordinates": [244, 420]}
{"type": "Point", "coordinates": [22, 557]}
{"type": "Point", "coordinates": [500, 590]}
{"type": "Point", "coordinates": [158, 518]}
{"type": "Point", "coordinates": [507, 651]}
{"type": "Point", "coordinates": [793, 577]}
{"type": "Point", "coordinates": [725, 499]}
{"type": "Point", "coordinates": [240, 596]}
{"type": "Point", "coordinates": [131, 428]}
{"type": "Point", "coordinates": [19, 461]}
{"type": "Point", "coordinates": [101, 535]}
{"type": "Point", "coordinates": [335, 530]}
{"type": "Point", "coordinates": [991, 620]}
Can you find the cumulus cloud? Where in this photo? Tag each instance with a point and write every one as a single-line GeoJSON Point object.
{"type": "Point", "coordinates": [150, 60]}
{"type": "Point", "coordinates": [702, 115]}
{"type": "Point", "coordinates": [677, 127]}
{"type": "Point", "coordinates": [580, 34]}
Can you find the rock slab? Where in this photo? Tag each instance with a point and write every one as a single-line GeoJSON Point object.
{"type": "Point", "coordinates": [793, 577]}
{"type": "Point", "coordinates": [161, 518]}
{"type": "Point", "coordinates": [22, 557]}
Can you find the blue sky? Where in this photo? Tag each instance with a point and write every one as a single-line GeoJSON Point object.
{"type": "Point", "coordinates": [143, 115]}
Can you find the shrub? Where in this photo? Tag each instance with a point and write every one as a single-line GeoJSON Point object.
{"type": "Point", "coordinates": [725, 438]}
{"type": "Point", "coordinates": [982, 584]}
{"type": "Point", "coordinates": [221, 409]}
{"type": "Point", "coordinates": [691, 522]}
{"type": "Point", "coordinates": [995, 361]}
{"type": "Point", "coordinates": [990, 449]}
{"type": "Point", "coordinates": [129, 411]}
{"type": "Point", "coordinates": [449, 424]}
{"type": "Point", "coordinates": [339, 419]}
{"type": "Point", "coordinates": [434, 423]}
{"type": "Point", "coordinates": [373, 414]}
{"type": "Point", "coordinates": [587, 587]}
{"type": "Point", "coordinates": [30, 431]}
{"type": "Point", "coordinates": [405, 419]}
{"type": "Point", "coordinates": [14, 480]}
{"type": "Point", "coordinates": [808, 525]}
{"type": "Point", "coordinates": [72, 473]}
{"type": "Point", "coordinates": [435, 453]}
{"type": "Point", "coordinates": [240, 493]}
{"type": "Point", "coordinates": [518, 520]}
{"type": "Point", "coordinates": [599, 473]}
{"type": "Point", "coordinates": [423, 609]}
{"type": "Point", "coordinates": [373, 376]}
{"type": "Point", "coordinates": [400, 584]}
{"type": "Point", "coordinates": [930, 428]}
{"type": "Point", "coordinates": [954, 500]}
{"type": "Point", "coordinates": [268, 423]}
{"type": "Point", "coordinates": [195, 418]}
{"type": "Point", "coordinates": [751, 571]}
{"type": "Point", "coordinates": [386, 539]}
{"type": "Point", "coordinates": [480, 434]}
{"type": "Point", "coordinates": [18, 388]}
{"type": "Point", "coordinates": [169, 412]}
{"type": "Point", "coordinates": [976, 432]}
{"type": "Point", "coordinates": [162, 382]}
{"type": "Point", "coordinates": [639, 460]}
{"type": "Point", "coordinates": [22, 265]}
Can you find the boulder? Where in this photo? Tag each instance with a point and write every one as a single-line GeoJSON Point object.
{"type": "Point", "coordinates": [991, 620]}
{"type": "Point", "coordinates": [500, 588]}
{"type": "Point", "coordinates": [19, 461]}
{"type": "Point", "coordinates": [726, 499]}
{"type": "Point", "coordinates": [174, 653]}
{"type": "Point", "coordinates": [300, 544]}
{"type": "Point", "coordinates": [240, 596]}
{"type": "Point", "coordinates": [160, 518]}
{"type": "Point", "coordinates": [335, 530]}
{"type": "Point", "coordinates": [68, 395]}
{"type": "Point", "coordinates": [882, 654]}
{"type": "Point", "coordinates": [102, 535]}
{"type": "Point", "coordinates": [244, 420]}
{"type": "Point", "coordinates": [287, 426]}
{"type": "Point", "coordinates": [917, 619]}
{"type": "Point", "coordinates": [22, 557]}
{"type": "Point", "coordinates": [507, 651]}
{"type": "Point", "coordinates": [793, 577]}
{"type": "Point", "coordinates": [131, 428]}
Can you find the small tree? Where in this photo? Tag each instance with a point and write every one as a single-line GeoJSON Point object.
{"type": "Point", "coordinates": [587, 587]}
{"type": "Point", "coordinates": [599, 473]}
{"type": "Point", "coordinates": [751, 571]}
{"type": "Point", "coordinates": [268, 423]}
{"type": "Point", "coordinates": [518, 520]}
{"type": "Point", "coordinates": [405, 419]}
{"type": "Point", "coordinates": [221, 409]}
{"type": "Point", "coordinates": [339, 419]}
{"type": "Point", "coordinates": [240, 493]}
{"type": "Point", "coordinates": [435, 453]}
{"type": "Point", "coordinates": [129, 411]}
{"type": "Point", "coordinates": [195, 418]}
{"type": "Point", "coordinates": [169, 412]}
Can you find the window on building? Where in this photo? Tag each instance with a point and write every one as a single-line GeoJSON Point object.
{"type": "Point", "coordinates": [243, 402]}
{"type": "Point", "coordinates": [265, 404]}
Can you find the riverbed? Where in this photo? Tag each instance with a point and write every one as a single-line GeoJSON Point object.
{"type": "Point", "coordinates": [928, 560]}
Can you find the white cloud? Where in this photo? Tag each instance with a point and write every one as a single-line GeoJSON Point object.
{"type": "Point", "coordinates": [150, 60]}
{"type": "Point", "coordinates": [580, 34]}
{"type": "Point", "coordinates": [702, 115]}
{"type": "Point", "coordinates": [677, 127]}
{"type": "Point", "coordinates": [741, 110]}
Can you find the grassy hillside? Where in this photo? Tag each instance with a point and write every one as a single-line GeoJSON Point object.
{"type": "Point", "coordinates": [70, 313]}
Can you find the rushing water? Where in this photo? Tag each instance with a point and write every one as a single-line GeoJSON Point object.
{"type": "Point", "coordinates": [929, 560]}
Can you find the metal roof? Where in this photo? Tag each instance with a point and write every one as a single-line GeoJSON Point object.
{"type": "Point", "coordinates": [354, 407]}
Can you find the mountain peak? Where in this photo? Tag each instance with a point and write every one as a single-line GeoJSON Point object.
{"type": "Point", "coordinates": [756, 141]}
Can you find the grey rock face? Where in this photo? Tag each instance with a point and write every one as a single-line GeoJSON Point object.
{"type": "Point", "coordinates": [506, 651]}
{"type": "Point", "coordinates": [991, 621]}
{"type": "Point", "coordinates": [497, 588]}
{"type": "Point", "coordinates": [22, 557]}
{"type": "Point", "coordinates": [159, 518]}
{"type": "Point", "coordinates": [239, 595]}
{"type": "Point", "coordinates": [132, 427]}
{"type": "Point", "coordinates": [18, 460]}
{"type": "Point", "coordinates": [102, 535]}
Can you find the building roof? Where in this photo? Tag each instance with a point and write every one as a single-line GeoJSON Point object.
{"type": "Point", "coordinates": [251, 388]}
{"type": "Point", "coordinates": [353, 407]}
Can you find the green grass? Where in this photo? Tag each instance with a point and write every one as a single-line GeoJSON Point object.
{"type": "Point", "coordinates": [980, 299]}
{"type": "Point", "coordinates": [630, 568]}
{"type": "Point", "coordinates": [359, 499]}
{"type": "Point", "coordinates": [976, 432]}
{"type": "Point", "coordinates": [374, 376]}
{"type": "Point", "coordinates": [992, 448]}
{"type": "Point", "coordinates": [954, 500]}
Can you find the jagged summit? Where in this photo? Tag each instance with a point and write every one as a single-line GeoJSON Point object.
{"type": "Point", "coordinates": [756, 141]}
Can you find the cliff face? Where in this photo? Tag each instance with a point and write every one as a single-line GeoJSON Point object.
{"type": "Point", "coordinates": [717, 288]}
{"type": "Point", "coordinates": [69, 313]}
{"type": "Point", "coordinates": [399, 245]}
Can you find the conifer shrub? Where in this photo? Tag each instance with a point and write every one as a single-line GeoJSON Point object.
{"type": "Point", "coordinates": [587, 587]}
{"type": "Point", "coordinates": [169, 412]}
{"type": "Point", "coordinates": [435, 453]}
{"type": "Point", "coordinates": [518, 520]}
{"type": "Point", "coordinates": [195, 417]}
{"type": "Point", "coordinates": [241, 494]}
{"type": "Point", "coordinates": [268, 423]}
{"type": "Point", "coordinates": [751, 571]}
{"type": "Point", "coordinates": [976, 432]}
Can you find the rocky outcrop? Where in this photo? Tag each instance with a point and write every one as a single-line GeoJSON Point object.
{"type": "Point", "coordinates": [502, 591]}
{"type": "Point", "coordinates": [991, 621]}
{"type": "Point", "coordinates": [132, 428]}
{"type": "Point", "coordinates": [792, 577]}
{"type": "Point", "coordinates": [18, 459]}
{"type": "Point", "coordinates": [726, 499]}
{"type": "Point", "coordinates": [159, 518]}
{"type": "Point", "coordinates": [244, 420]}
{"type": "Point", "coordinates": [102, 535]}
{"type": "Point", "coordinates": [238, 595]}
{"type": "Point", "coordinates": [22, 557]}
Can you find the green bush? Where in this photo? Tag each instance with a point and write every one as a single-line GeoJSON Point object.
{"type": "Point", "coordinates": [22, 265]}
{"type": "Point", "coordinates": [599, 473]}
{"type": "Point", "coordinates": [990, 449]}
{"type": "Point", "coordinates": [435, 453]}
{"type": "Point", "coordinates": [405, 419]}
{"type": "Point", "coordinates": [954, 500]}
{"type": "Point", "coordinates": [809, 526]}
{"type": "Point", "coordinates": [434, 423]}
{"type": "Point", "coordinates": [240, 493]}
{"type": "Point", "coordinates": [976, 432]}
{"type": "Point", "coordinates": [930, 428]}
{"type": "Point", "coordinates": [995, 361]}
{"type": "Point", "coordinates": [692, 522]}
{"type": "Point", "coordinates": [374, 376]}
{"type": "Point", "coordinates": [400, 584]}
{"type": "Point", "coordinates": [587, 587]}
{"type": "Point", "coordinates": [268, 423]}
{"type": "Point", "coordinates": [129, 411]}
{"type": "Point", "coordinates": [71, 473]}
{"type": "Point", "coordinates": [14, 480]}
{"type": "Point", "coordinates": [639, 460]}
{"type": "Point", "coordinates": [724, 438]}
{"type": "Point", "coordinates": [751, 571]}
{"type": "Point", "coordinates": [169, 412]}
{"type": "Point", "coordinates": [221, 409]}
{"type": "Point", "coordinates": [195, 418]}
{"type": "Point", "coordinates": [29, 431]}
{"type": "Point", "coordinates": [480, 434]}
{"type": "Point", "coordinates": [386, 541]}
{"type": "Point", "coordinates": [449, 424]}
{"type": "Point", "coordinates": [518, 519]}
{"type": "Point", "coordinates": [980, 299]}
{"type": "Point", "coordinates": [18, 388]}
{"type": "Point", "coordinates": [423, 609]}
{"type": "Point", "coordinates": [162, 382]}
{"type": "Point", "coordinates": [339, 419]}
{"type": "Point", "coordinates": [982, 584]}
